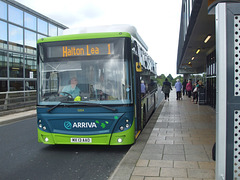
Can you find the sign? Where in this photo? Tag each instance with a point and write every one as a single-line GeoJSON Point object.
{"type": "Point", "coordinates": [81, 50]}
{"type": "Point", "coordinates": [138, 67]}
{"type": "Point", "coordinates": [31, 74]}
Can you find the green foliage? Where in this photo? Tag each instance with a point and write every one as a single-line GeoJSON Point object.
{"type": "Point", "coordinates": [170, 78]}
{"type": "Point", "coordinates": [160, 79]}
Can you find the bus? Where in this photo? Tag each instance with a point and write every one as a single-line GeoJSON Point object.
{"type": "Point", "coordinates": [89, 88]}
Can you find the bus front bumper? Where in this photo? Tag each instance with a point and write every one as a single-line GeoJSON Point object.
{"type": "Point", "coordinates": [122, 138]}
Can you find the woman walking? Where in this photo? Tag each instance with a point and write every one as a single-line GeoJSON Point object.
{"type": "Point", "coordinates": [166, 88]}
{"type": "Point", "coordinates": [178, 87]}
{"type": "Point", "coordinates": [189, 88]}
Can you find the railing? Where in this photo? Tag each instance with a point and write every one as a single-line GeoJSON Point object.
{"type": "Point", "coordinates": [17, 100]}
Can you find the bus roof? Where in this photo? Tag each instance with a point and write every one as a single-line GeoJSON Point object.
{"type": "Point", "coordinates": [111, 28]}
{"type": "Point", "coordinates": [98, 32]}
{"type": "Point", "coordinates": [83, 36]}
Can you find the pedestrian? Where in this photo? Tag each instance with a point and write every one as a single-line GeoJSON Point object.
{"type": "Point", "coordinates": [189, 88]}
{"type": "Point", "coordinates": [198, 85]}
{"type": "Point", "coordinates": [166, 88]}
{"type": "Point", "coordinates": [184, 86]}
{"type": "Point", "coordinates": [178, 86]}
{"type": "Point", "coordinates": [143, 88]}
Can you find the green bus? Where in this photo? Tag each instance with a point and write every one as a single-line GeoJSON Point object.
{"type": "Point", "coordinates": [89, 88]}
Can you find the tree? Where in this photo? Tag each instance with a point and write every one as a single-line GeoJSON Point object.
{"type": "Point", "coordinates": [170, 78]}
{"type": "Point", "coordinates": [161, 79]}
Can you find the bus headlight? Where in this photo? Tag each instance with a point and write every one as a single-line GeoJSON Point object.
{"type": "Point", "coordinates": [121, 128]}
{"type": "Point", "coordinates": [119, 140]}
{"type": "Point", "coordinates": [127, 126]}
{"type": "Point", "coordinates": [46, 139]}
{"type": "Point", "coordinates": [44, 128]}
{"type": "Point", "coordinates": [40, 125]}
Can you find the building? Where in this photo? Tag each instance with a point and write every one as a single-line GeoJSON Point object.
{"type": "Point", "coordinates": [20, 28]}
{"type": "Point", "coordinates": [197, 50]}
{"type": "Point", "coordinates": [209, 43]}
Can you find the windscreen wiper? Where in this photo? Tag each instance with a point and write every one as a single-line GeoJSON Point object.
{"type": "Point", "coordinates": [52, 108]}
{"type": "Point", "coordinates": [84, 103]}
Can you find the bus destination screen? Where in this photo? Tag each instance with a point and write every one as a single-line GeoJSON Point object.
{"type": "Point", "coordinates": [81, 50]}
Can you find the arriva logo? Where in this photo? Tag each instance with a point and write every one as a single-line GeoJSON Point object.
{"type": "Point", "coordinates": [84, 125]}
{"type": "Point", "coordinates": [68, 125]}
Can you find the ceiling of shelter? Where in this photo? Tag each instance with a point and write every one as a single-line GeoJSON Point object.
{"type": "Point", "coordinates": [204, 26]}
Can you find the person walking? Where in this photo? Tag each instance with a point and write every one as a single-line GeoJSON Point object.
{"type": "Point", "coordinates": [184, 86]}
{"type": "Point", "coordinates": [196, 90]}
{"type": "Point", "coordinates": [166, 88]}
{"type": "Point", "coordinates": [178, 86]}
{"type": "Point", "coordinates": [143, 88]}
{"type": "Point", "coordinates": [189, 88]}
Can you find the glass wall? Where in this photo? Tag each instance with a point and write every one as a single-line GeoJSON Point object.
{"type": "Point", "coordinates": [211, 79]}
{"type": "Point", "coordinates": [3, 12]}
{"type": "Point", "coordinates": [19, 30]}
{"type": "Point", "coordinates": [30, 21]}
{"type": "Point", "coordinates": [42, 26]}
{"type": "Point", "coordinates": [15, 15]}
{"type": "Point", "coordinates": [3, 35]}
{"type": "Point", "coordinates": [3, 64]}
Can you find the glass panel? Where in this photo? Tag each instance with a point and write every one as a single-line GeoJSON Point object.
{"type": "Point", "coordinates": [52, 30]}
{"type": "Point", "coordinates": [16, 65]}
{"type": "Point", "coordinates": [3, 64]}
{"type": "Point", "coordinates": [30, 38]}
{"type": "Point", "coordinates": [16, 85]}
{"type": "Point", "coordinates": [3, 12]}
{"type": "Point", "coordinates": [3, 86]}
{"type": "Point", "coordinates": [42, 26]}
{"type": "Point", "coordinates": [15, 38]}
{"type": "Point", "coordinates": [30, 67]}
{"type": "Point", "coordinates": [60, 31]}
{"type": "Point", "coordinates": [103, 81]}
{"type": "Point", "coordinates": [30, 21]}
{"type": "Point", "coordinates": [30, 42]}
{"type": "Point", "coordinates": [15, 15]}
{"type": "Point", "coordinates": [3, 35]}
{"type": "Point", "coordinates": [30, 85]}
{"type": "Point", "coordinates": [40, 36]}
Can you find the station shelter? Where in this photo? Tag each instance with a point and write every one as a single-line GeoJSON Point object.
{"type": "Point", "coordinates": [209, 43]}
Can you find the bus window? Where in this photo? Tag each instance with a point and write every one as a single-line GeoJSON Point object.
{"type": "Point", "coordinates": [104, 81]}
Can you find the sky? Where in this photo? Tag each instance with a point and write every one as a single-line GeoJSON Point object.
{"type": "Point", "coordinates": [157, 22]}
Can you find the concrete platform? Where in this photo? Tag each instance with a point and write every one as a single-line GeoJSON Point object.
{"type": "Point", "coordinates": [176, 144]}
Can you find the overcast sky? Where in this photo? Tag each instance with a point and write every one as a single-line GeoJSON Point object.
{"type": "Point", "coordinates": [157, 21]}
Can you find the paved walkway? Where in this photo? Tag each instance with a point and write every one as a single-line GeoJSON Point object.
{"type": "Point", "coordinates": [175, 145]}
{"type": "Point", "coordinates": [16, 116]}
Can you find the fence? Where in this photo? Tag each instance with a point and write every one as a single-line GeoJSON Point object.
{"type": "Point", "coordinates": [17, 100]}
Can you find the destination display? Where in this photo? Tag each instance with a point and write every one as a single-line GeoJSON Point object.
{"type": "Point", "coordinates": [80, 50]}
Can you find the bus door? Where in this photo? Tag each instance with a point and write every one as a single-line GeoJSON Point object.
{"type": "Point", "coordinates": [138, 93]}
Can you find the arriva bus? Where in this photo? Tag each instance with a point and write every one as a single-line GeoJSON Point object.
{"type": "Point", "coordinates": [89, 88]}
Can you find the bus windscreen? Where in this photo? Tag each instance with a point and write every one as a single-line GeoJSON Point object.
{"type": "Point", "coordinates": [68, 73]}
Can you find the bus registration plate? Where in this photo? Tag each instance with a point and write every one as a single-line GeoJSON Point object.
{"type": "Point", "coordinates": [81, 140]}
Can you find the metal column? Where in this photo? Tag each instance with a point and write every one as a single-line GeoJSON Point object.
{"type": "Point", "coordinates": [228, 90]}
